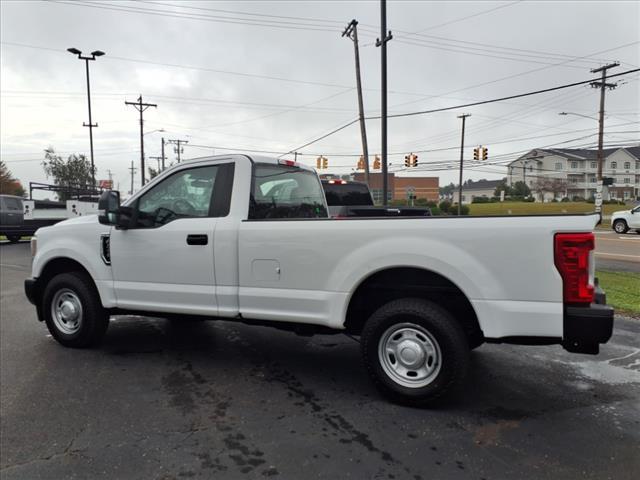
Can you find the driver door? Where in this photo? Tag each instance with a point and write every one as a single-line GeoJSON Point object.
{"type": "Point", "coordinates": [164, 261]}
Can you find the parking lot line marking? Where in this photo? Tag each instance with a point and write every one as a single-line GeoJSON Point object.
{"type": "Point", "coordinates": [21, 267]}
{"type": "Point", "coordinates": [618, 255]}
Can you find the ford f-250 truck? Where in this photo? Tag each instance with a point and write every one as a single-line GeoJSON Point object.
{"type": "Point", "coordinates": [217, 237]}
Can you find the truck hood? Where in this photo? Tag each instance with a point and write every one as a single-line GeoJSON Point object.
{"type": "Point", "coordinates": [621, 212]}
{"type": "Point", "coordinates": [83, 221]}
{"type": "Point", "coordinates": [77, 220]}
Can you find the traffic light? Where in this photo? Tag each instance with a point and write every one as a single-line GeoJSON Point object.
{"type": "Point", "coordinates": [485, 153]}
{"type": "Point", "coordinates": [411, 160]}
{"type": "Point", "coordinates": [325, 162]}
{"type": "Point", "coordinates": [361, 163]}
{"type": "Point", "coordinates": [476, 153]}
{"type": "Point", "coordinates": [319, 162]}
{"type": "Point", "coordinates": [376, 163]}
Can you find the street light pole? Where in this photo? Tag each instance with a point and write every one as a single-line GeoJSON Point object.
{"type": "Point", "coordinates": [91, 125]}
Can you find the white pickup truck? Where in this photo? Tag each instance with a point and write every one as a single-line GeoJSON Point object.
{"type": "Point", "coordinates": [249, 239]}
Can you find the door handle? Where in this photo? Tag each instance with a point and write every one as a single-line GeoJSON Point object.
{"type": "Point", "coordinates": [197, 239]}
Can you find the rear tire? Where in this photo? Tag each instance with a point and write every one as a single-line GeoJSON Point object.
{"type": "Point", "coordinates": [73, 312]}
{"type": "Point", "coordinates": [620, 226]}
{"type": "Point", "coordinates": [414, 351]}
{"type": "Point", "coordinates": [13, 238]}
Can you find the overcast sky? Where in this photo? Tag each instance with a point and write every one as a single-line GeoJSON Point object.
{"type": "Point", "coordinates": [271, 76]}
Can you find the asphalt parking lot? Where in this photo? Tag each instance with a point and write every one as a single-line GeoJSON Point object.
{"type": "Point", "coordinates": [172, 400]}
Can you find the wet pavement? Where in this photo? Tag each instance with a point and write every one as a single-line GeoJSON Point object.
{"type": "Point", "coordinates": [179, 400]}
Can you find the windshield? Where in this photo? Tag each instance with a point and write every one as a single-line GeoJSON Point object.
{"type": "Point", "coordinates": [349, 194]}
{"type": "Point", "coordinates": [285, 192]}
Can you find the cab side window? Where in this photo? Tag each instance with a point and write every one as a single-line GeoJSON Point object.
{"type": "Point", "coordinates": [12, 204]}
{"type": "Point", "coordinates": [195, 192]}
{"type": "Point", "coordinates": [285, 192]}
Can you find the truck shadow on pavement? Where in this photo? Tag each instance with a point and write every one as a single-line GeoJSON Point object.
{"type": "Point", "coordinates": [530, 380]}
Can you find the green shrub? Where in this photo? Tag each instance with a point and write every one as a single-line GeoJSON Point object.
{"type": "Point", "coordinates": [444, 206]}
{"type": "Point", "coordinates": [464, 210]}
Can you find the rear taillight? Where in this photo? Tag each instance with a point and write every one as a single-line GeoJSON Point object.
{"type": "Point", "coordinates": [572, 252]}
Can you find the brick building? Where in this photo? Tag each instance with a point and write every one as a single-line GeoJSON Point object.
{"type": "Point", "coordinates": [399, 187]}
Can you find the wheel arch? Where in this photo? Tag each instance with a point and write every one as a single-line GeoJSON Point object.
{"type": "Point", "coordinates": [391, 283]}
{"type": "Point", "coordinates": [56, 266]}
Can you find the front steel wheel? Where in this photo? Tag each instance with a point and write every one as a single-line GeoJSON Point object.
{"type": "Point", "coordinates": [73, 312]}
{"type": "Point", "coordinates": [66, 311]}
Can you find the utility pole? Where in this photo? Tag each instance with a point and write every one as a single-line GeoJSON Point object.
{"type": "Point", "coordinates": [382, 42]}
{"type": "Point", "coordinates": [464, 118]}
{"type": "Point", "coordinates": [163, 156]}
{"type": "Point", "coordinates": [602, 85]}
{"type": "Point", "coordinates": [110, 174]}
{"type": "Point", "coordinates": [141, 107]}
{"type": "Point", "coordinates": [351, 31]}
{"type": "Point", "coordinates": [132, 169]}
{"type": "Point", "coordinates": [177, 149]}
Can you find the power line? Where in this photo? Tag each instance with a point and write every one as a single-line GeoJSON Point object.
{"type": "Point", "coordinates": [477, 14]}
{"type": "Point", "coordinates": [236, 12]}
{"type": "Point", "coordinates": [482, 53]}
{"type": "Point", "coordinates": [498, 48]}
{"type": "Point", "coordinates": [356, 154]}
{"type": "Point", "coordinates": [501, 99]}
{"type": "Point", "coordinates": [515, 75]}
{"type": "Point", "coordinates": [201, 17]}
{"type": "Point", "coordinates": [455, 107]}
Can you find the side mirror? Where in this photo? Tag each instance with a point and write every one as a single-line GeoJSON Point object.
{"type": "Point", "coordinates": [109, 204]}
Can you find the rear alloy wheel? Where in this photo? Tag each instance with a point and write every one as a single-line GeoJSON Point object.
{"type": "Point", "coordinates": [414, 351]}
{"type": "Point", "coordinates": [73, 312]}
{"type": "Point", "coordinates": [620, 226]}
{"type": "Point", "coordinates": [13, 238]}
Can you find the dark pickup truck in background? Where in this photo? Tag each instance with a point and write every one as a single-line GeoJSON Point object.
{"type": "Point", "coordinates": [353, 199]}
{"type": "Point", "coordinates": [14, 226]}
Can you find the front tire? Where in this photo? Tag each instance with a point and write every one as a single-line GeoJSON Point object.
{"type": "Point", "coordinates": [13, 238]}
{"type": "Point", "coordinates": [620, 226]}
{"type": "Point", "coordinates": [415, 351]}
{"type": "Point", "coordinates": [73, 312]}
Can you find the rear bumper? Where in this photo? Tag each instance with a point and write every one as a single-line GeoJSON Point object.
{"type": "Point", "coordinates": [585, 328]}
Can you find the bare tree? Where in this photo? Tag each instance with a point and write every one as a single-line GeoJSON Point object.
{"type": "Point", "coordinates": [558, 186]}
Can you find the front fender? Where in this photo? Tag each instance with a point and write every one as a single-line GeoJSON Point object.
{"type": "Point", "coordinates": [83, 248]}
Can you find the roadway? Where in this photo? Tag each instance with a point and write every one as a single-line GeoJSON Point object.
{"type": "Point", "coordinates": [175, 400]}
{"type": "Point", "coordinates": [617, 252]}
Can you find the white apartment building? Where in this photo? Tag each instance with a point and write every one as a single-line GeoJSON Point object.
{"type": "Point", "coordinates": [571, 172]}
